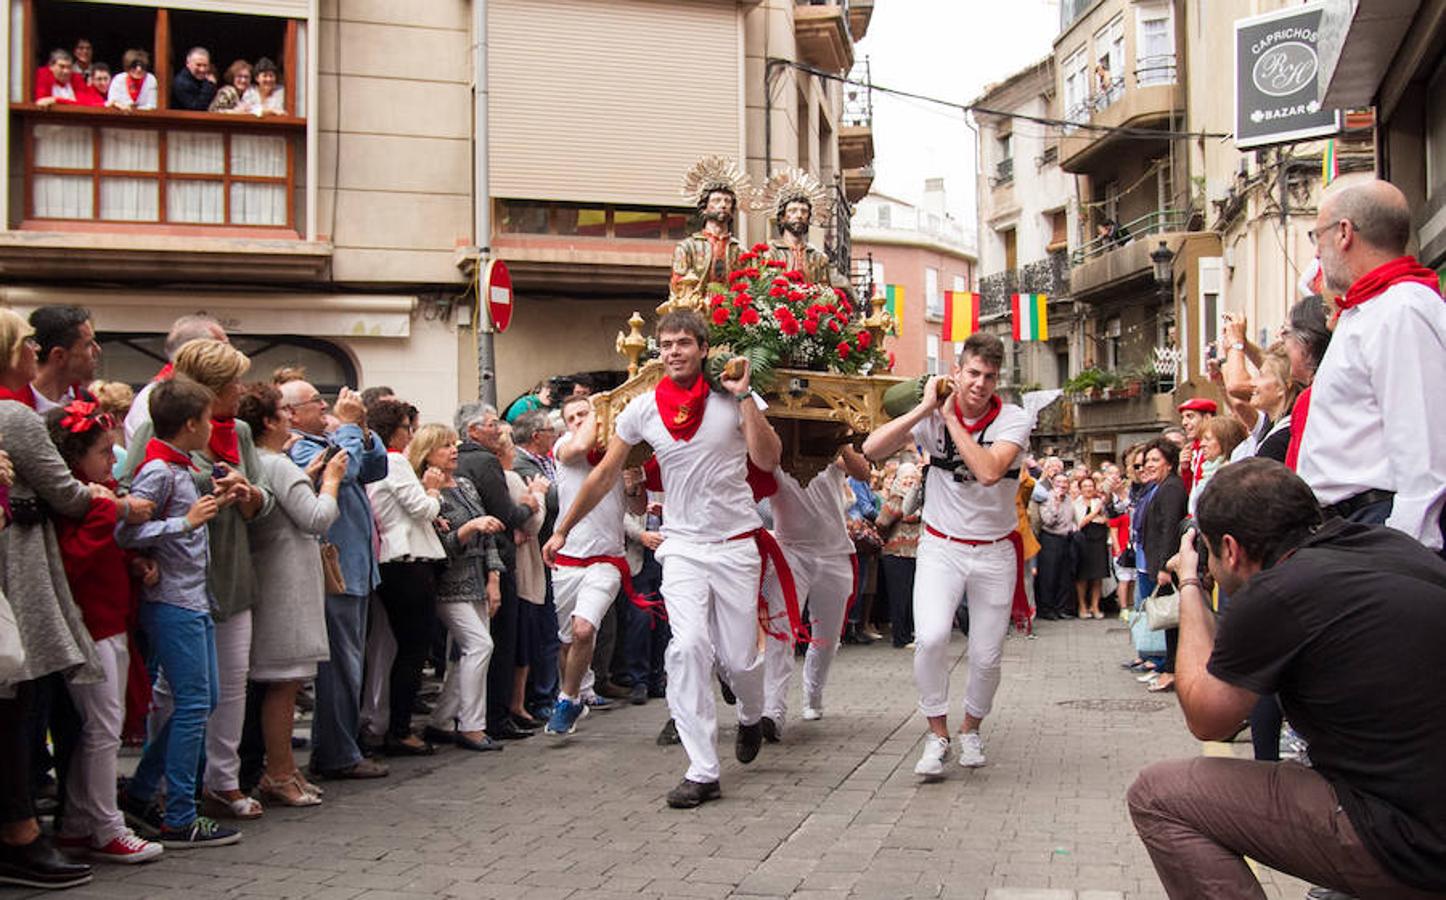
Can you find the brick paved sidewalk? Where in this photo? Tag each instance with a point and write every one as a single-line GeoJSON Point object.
{"type": "Point", "coordinates": [833, 812]}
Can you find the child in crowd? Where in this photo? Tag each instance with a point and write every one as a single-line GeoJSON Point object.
{"type": "Point", "coordinates": [99, 575]}
{"type": "Point", "coordinates": [175, 613]}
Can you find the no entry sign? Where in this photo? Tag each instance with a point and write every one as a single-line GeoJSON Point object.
{"type": "Point", "coordinates": [496, 287]}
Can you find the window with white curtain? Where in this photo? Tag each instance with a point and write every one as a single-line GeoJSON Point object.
{"type": "Point", "coordinates": [1154, 45]}
{"type": "Point", "coordinates": [931, 355]}
{"type": "Point", "coordinates": [1076, 87]}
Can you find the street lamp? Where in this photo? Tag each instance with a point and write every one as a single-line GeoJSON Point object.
{"type": "Point", "coordinates": [1161, 258]}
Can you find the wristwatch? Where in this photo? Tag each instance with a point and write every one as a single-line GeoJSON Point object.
{"type": "Point", "coordinates": [747, 395]}
{"type": "Point", "coordinates": [1237, 346]}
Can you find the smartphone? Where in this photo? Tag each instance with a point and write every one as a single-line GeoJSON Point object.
{"type": "Point", "coordinates": [331, 451]}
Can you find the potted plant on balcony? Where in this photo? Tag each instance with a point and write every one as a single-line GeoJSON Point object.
{"type": "Point", "coordinates": [1088, 385]}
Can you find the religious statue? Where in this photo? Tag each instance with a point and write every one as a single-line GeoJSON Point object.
{"type": "Point", "coordinates": [794, 197]}
{"type": "Point", "coordinates": [703, 260]}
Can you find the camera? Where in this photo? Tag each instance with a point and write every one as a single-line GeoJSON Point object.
{"type": "Point", "coordinates": [1202, 548]}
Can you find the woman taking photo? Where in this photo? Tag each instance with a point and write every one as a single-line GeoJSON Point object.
{"type": "Point", "coordinates": [1092, 548]}
{"type": "Point", "coordinates": [1161, 508]}
{"type": "Point", "coordinates": [411, 554]}
{"type": "Point", "coordinates": [469, 591]}
{"type": "Point", "coordinates": [288, 622]}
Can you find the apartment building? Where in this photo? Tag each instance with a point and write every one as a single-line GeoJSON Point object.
{"type": "Point", "coordinates": [922, 252]}
{"type": "Point", "coordinates": [345, 235]}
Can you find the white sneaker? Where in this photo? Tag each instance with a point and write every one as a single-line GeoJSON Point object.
{"type": "Point", "coordinates": [931, 764]}
{"type": "Point", "coordinates": [812, 713]}
{"type": "Point", "coordinates": [1147, 677]}
{"type": "Point", "coordinates": [971, 750]}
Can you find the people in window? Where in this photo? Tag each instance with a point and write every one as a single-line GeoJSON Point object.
{"type": "Point", "coordinates": [137, 88]}
{"type": "Point", "coordinates": [194, 87]}
{"type": "Point", "coordinates": [230, 96]}
{"type": "Point", "coordinates": [267, 97]}
{"type": "Point", "coordinates": [99, 80]}
{"type": "Point", "coordinates": [81, 55]}
{"type": "Point", "coordinates": [56, 82]}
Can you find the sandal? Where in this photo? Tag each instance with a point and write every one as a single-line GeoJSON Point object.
{"type": "Point", "coordinates": [287, 792]}
{"type": "Point", "coordinates": [218, 807]}
{"type": "Point", "coordinates": [313, 789]}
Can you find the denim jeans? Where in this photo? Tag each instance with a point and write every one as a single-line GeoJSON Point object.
{"type": "Point", "coordinates": [338, 685]}
{"type": "Point", "coordinates": [184, 644]}
{"type": "Point", "coordinates": [644, 638]}
{"type": "Point", "coordinates": [543, 680]}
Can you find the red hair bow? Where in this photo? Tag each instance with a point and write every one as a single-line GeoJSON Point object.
{"type": "Point", "coordinates": [82, 415]}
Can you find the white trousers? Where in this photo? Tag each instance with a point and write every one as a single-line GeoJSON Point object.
{"type": "Point", "coordinates": [90, 788]}
{"type": "Point", "coordinates": [463, 700]}
{"type": "Point", "coordinates": [586, 592]}
{"type": "Point", "coordinates": [377, 671]}
{"type": "Point", "coordinates": [947, 572]}
{"type": "Point", "coordinates": [712, 595]}
{"type": "Point", "coordinates": [223, 728]}
{"type": "Point", "coordinates": [824, 583]}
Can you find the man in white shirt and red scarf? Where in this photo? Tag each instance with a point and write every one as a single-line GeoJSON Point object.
{"type": "Point", "coordinates": [970, 548]}
{"type": "Point", "coordinates": [704, 441]}
{"type": "Point", "coordinates": [1373, 446]}
{"type": "Point", "coordinates": [590, 566]}
{"type": "Point", "coordinates": [812, 526]}
{"type": "Point", "coordinates": [1193, 415]}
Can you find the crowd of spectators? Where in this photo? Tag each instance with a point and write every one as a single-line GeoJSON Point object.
{"type": "Point", "coordinates": [75, 78]}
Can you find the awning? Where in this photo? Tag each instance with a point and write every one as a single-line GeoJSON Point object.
{"type": "Point", "coordinates": [314, 315]}
{"type": "Point", "coordinates": [1357, 44]}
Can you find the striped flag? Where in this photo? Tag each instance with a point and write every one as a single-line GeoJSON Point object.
{"type": "Point", "coordinates": [961, 314]}
{"type": "Point", "coordinates": [894, 303]}
{"type": "Point", "coordinates": [1329, 165]}
{"type": "Point", "coordinates": [1031, 318]}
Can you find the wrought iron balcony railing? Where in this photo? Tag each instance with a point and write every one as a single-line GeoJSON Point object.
{"type": "Point", "coordinates": [1048, 276]}
{"type": "Point", "coordinates": [1159, 221]}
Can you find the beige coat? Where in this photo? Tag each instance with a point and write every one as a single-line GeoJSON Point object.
{"type": "Point", "coordinates": [531, 573]}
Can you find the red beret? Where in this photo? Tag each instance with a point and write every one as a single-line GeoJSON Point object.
{"type": "Point", "coordinates": [1199, 404]}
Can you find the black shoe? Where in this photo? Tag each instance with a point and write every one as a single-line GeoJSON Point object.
{"type": "Point", "coordinates": [669, 735]}
{"type": "Point", "coordinates": [729, 697]}
{"type": "Point", "coordinates": [527, 724]}
{"type": "Point", "coordinates": [691, 794]}
{"type": "Point", "coordinates": [771, 732]}
{"type": "Point", "coordinates": [638, 695]}
{"type": "Point", "coordinates": [398, 747]}
{"type": "Point", "coordinates": [143, 816]}
{"type": "Point", "coordinates": [438, 736]}
{"type": "Point", "coordinates": [750, 739]}
{"type": "Point", "coordinates": [488, 744]}
{"type": "Point", "coordinates": [39, 865]}
{"type": "Point", "coordinates": [508, 731]}
{"type": "Point", "coordinates": [657, 691]}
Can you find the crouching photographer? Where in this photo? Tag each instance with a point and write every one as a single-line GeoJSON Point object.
{"type": "Point", "coordinates": [1346, 623]}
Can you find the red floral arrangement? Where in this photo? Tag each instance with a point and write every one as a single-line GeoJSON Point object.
{"type": "Point", "coordinates": [777, 317]}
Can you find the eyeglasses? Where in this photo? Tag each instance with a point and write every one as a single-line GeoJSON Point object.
{"type": "Point", "coordinates": [1315, 233]}
{"type": "Point", "coordinates": [136, 65]}
{"type": "Point", "coordinates": [318, 400]}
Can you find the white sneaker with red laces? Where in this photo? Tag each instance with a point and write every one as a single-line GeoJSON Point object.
{"type": "Point", "coordinates": [126, 848]}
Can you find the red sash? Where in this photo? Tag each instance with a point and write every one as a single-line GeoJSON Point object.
{"type": "Point", "coordinates": [991, 413]}
{"type": "Point", "coordinates": [681, 408]}
{"type": "Point", "coordinates": [158, 449]}
{"type": "Point", "coordinates": [654, 608]}
{"type": "Point", "coordinates": [772, 554]}
{"type": "Point", "coordinates": [1019, 611]}
{"type": "Point", "coordinates": [224, 444]}
{"type": "Point", "coordinates": [25, 395]}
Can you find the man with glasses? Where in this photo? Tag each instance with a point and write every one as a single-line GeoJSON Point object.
{"type": "Point", "coordinates": [1372, 446]}
{"type": "Point", "coordinates": [335, 753]}
{"type": "Point", "coordinates": [68, 353]}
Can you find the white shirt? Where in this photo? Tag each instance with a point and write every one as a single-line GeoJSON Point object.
{"type": "Point", "coordinates": [1373, 423]}
{"type": "Point", "coordinates": [120, 95]}
{"type": "Point", "coordinates": [812, 520]}
{"type": "Point", "coordinates": [965, 508]}
{"type": "Point", "coordinates": [600, 532]}
{"type": "Point", "coordinates": [140, 411]}
{"type": "Point", "coordinates": [704, 479]}
{"type": "Point", "coordinates": [44, 404]}
{"type": "Point", "coordinates": [1248, 447]}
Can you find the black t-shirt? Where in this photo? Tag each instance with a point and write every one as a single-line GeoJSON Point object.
{"type": "Point", "coordinates": [1350, 631]}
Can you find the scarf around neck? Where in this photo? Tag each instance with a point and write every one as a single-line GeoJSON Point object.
{"type": "Point", "coordinates": [681, 408]}
{"type": "Point", "coordinates": [991, 412]}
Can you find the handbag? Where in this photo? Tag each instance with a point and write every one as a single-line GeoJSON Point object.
{"type": "Point", "coordinates": [865, 536]}
{"type": "Point", "coordinates": [331, 569]}
{"type": "Point", "coordinates": [1163, 611]}
{"type": "Point", "coordinates": [1147, 642]}
{"type": "Point", "coordinates": [12, 651]}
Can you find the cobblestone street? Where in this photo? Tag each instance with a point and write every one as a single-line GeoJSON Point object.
{"type": "Point", "coordinates": [834, 811]}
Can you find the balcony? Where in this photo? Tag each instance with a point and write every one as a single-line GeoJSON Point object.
{"type": "Point", "coordinates": [822, 31]}
{"type": "Point", "coordinates": [856, 130]}
{"type": "Point", "coordinates": [858, 182]}
{"type": "Point", "coordinates": [861, 12]}
{"type": "Point", "coordinates": [1147, 97]}
{"type": "Point", "coordinates": [1142, 411]}
{"type": "Point", "coordinates": [1003, 173]}
{"type": "Point", "coordinates": [1048, 276]}
{"type": "Point", "coordinates": [1106, 262]}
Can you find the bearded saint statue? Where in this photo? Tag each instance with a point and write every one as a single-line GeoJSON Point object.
{"type": "Point", "coordinates": [795, 197]}
{"type": "Point", "coordinates": [703, 260]}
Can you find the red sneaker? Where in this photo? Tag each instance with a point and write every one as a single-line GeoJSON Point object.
{"type": "Point", "coordinates": [127, 848]}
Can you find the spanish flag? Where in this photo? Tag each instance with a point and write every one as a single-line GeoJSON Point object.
{"type": "Point", "coordinates": [1031, 319]}
{"type": "Point", "coordinates": [961, 314]}
{"type": "Point", "coordinates": [894, 303]}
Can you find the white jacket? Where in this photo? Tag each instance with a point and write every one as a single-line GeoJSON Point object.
{"type": "Point", "coordinates": [404, 513]}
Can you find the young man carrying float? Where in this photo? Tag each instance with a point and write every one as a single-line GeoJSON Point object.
{"type": "Point", "coordinates": [969, 547]}
{"type": "Point", "coordinates": [703, 441]}
{"type": "Point", "coordinates": [590, 566]}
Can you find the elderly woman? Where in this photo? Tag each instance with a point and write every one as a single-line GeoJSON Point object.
{"type": "Point", "coordinates": [411, 555]}
{"type": "Point", "coordinates": [230, 469]}
{"type": "Point", "coordinates": [531, 573]}
{"type": "Point", "coordinates": [288, 634]}
{"type": "Point", "coordinates": [469, 590]}
{"type": "Point", "coordinates": [899, 523]}
{"type": "Point", "coordinates": [50, 625]}
{"type": "Point", "coordinates": [1161, 507]}
{"type": "Point", "coordinates": [1092, 548]}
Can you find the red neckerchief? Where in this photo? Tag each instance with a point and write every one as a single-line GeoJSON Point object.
{"type": "Point", "coordinates": [682, 407]}
{"type": "Point", "coordinates": [1402, 270]}
{"type": "Point", "coordinates": [25, 395]}
{"type": "Point", "coordinates": [224, 444]}
{"type": "Point", "coordinates": [990, 414]}
{"type": "Point", "coordinates": [165, 374]}
{"type": "Point", "coordinates": [159, 449]}
{"type": "Point", "coordinates": [134, 87]}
